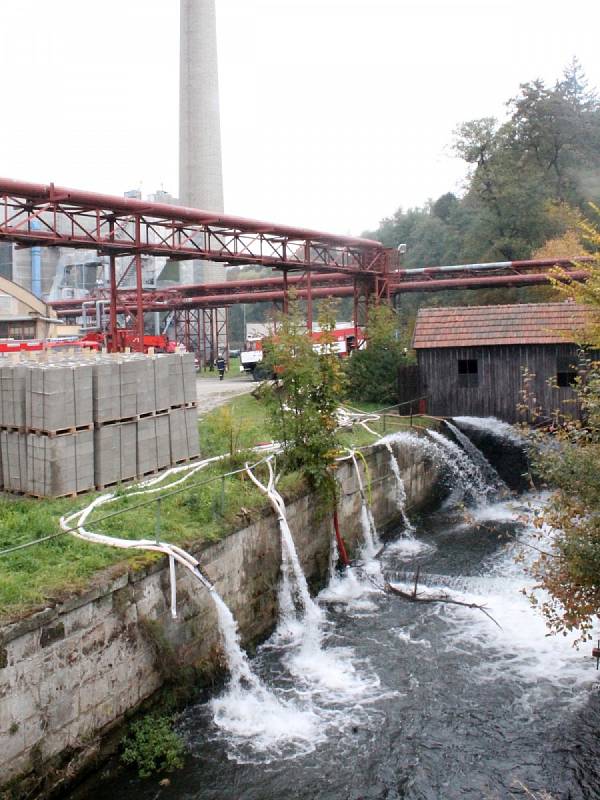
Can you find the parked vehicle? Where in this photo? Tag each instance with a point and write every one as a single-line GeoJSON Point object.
{"type": "Point", "coordinates": [345, 342]}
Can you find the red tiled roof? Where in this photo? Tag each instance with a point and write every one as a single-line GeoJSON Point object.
{"type": "Point", "coordinates": [529, 323]}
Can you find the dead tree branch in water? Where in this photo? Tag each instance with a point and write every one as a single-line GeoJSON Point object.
{"type": "Point", "coordinates": [414, 597]}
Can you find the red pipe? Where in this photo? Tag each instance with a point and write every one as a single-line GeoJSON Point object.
{"type": "Point", "coordinates": [219, 300]}
{"type": "Point", "coordinates": [480, 282]}
{"type": "Point", "coordinates": [50, 193]}
{"type": "Point", "coordinates": [339, 540]}
{"type": "Point", "coordinates": [227, 287]}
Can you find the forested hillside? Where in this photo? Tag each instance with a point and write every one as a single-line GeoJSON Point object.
{"type": "Point", "coordinates": [530, 179]}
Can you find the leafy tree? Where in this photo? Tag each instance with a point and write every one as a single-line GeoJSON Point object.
{"type": "Point", "coordinates": [303, 402]}
{"type": "Point", "coordinates": [570, 572]}
{"type": "Point", "coordinates": [372, 374]}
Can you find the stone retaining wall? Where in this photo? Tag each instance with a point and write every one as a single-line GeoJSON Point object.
{"type": "Point", "coordinates": [69, 674]}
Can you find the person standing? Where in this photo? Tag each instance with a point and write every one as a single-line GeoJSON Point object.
{"type": "Point", "coordinates": [220, 365]}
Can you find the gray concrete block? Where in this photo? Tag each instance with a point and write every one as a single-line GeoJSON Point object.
{"type": "Point", "coordinates": [106, 390]}
{"type": "Point", "coordinates": [163, 444]}
{"type": "Point", "coordinates": [178, 435]}
{"type": "Point", "coordinates": [176, 379]}
{"type": "Point", "coordinates": [189, 377]}
{"type": "Point", "coordinates": [147, 456]}
{"type": "Point", "coordinates": [146, 393]}
{"type": "Point", "coordinates": [162, 385]}
{"type": "Point", "coordinates": [192, 435]}
{"type": "Point", "coordinates": [128, 451]}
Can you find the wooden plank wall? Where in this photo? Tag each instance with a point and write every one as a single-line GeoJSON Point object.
{"type": "Point", "coordinates": [499, 390]}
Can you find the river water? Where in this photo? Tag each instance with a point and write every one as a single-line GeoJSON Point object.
{"type": "Point", "coordinates": [406, 700]}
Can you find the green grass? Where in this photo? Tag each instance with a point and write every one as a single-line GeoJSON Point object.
{"type": "Point", "coordinates": [33, 577]}
{"type": "Point", "coordinates": [204, 512]}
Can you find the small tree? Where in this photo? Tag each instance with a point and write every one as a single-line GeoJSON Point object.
{"type": "Point", "coordinates": [303, 401]}
{"type": "Point", "coordinates": [372, 373]}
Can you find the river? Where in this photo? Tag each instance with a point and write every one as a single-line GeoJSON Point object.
{"type": "Point", "coordinates": [407, 700]}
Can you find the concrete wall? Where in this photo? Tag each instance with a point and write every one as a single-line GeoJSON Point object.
{"type": "Point", "coordinates": [70, 673]}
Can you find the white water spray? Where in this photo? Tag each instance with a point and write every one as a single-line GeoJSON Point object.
{"type": "Point", "coordinates": [477, 457]}
{"type": "Point", "coordinates": [400, 489]}
{"type": "Point", "coordinates": [467, 474]}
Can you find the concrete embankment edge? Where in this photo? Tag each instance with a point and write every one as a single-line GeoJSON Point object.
{"type": "Point", "coordinates": [70, 674]}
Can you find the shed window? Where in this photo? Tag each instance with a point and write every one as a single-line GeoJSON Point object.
{"type": "Point", "coordinates": [468, 373]}
{"type": "Point", "coordinates": [566, 372]}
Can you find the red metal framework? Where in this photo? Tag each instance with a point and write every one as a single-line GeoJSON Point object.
{"type": "Point", "coordinates": [316, 264]}
{"type": "Point", "coordinates": [123, 226]}
{"type": "Point", "coordinates": [48, 215]}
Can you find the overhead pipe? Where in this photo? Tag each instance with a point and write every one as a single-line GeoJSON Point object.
{"type": "Point", "coordinates": [485, 281]}
{"type": "Point", "coordinates": [49, 193]}
{"type": "Point", "coordinates": [534, 263]}
{"type": "Point", "coordinates": [220, 300]}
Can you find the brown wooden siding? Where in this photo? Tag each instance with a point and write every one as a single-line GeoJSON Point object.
{"type": "Point", "coordinates": [500, 381]}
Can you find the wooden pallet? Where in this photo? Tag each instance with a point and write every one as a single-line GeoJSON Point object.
{"type": "Point", "coordinates": [61, 431]}
{"type": "Point", "coordinates": [71, 495]}
{"type": "Point", "coordinates": [108, 422]}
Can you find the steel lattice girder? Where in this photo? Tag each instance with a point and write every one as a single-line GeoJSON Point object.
{"type": "Point", "coordinates": [48, 215]}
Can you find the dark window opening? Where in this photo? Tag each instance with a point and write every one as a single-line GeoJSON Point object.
{"type": "Point", "coordinates": [468, 373]}
{"type": "Point", "coordinates": [566, 372]}
{"type": "Point", "coordinates": [17, 330]}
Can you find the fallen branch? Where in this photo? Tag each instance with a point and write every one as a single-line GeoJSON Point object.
{"type": "Point", "coordinates": [414, 597]}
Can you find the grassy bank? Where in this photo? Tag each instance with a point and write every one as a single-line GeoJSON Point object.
{"type": "Point", "coordinates": [208, 509]}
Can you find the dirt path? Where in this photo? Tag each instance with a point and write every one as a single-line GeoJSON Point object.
{"type": "Point", "coordinates": [212, 393]}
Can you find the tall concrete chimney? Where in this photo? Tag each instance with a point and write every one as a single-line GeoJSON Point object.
{"type": "Point", "coordinates": [200, 162]}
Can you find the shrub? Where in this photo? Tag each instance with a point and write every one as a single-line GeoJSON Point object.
{"type": "Point", "coordinates": [152, 746]}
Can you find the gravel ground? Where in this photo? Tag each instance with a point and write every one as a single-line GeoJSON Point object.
{"type": "Point", "coordinates": [212, 392]}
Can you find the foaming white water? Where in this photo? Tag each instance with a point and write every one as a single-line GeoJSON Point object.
{"type": "Point", "coordinates": [475, 454]}
{"type": "Point", "coordinates": [493, 425]}
{"type": "Point", "coordinates": [371, 544]}
{"type": "Point", "coordinates": [522, 643]}
{"type": "Point", "coordinates": [252, 718]}
{"type": "Point", "coordinates": [318, 669]}
{"type": "Point", "coordinates": [404, 636]}
{"type": "Point", "coordinates": [300, 616]}
{"type": "Point", "coordinates": [466, 472]}
{"type": "Point", "coordinates": [351, 590]}
{"type": "Point", "coordinates": [408, 547]}
{"type": "Point", "coordinates": [400, 489]}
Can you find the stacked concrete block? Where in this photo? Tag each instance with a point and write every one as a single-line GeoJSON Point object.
{"type": "Point", "coordinates": [69, 423]}
{"type": "Point", "coordinates": [176, 381]}
{"type": "Point", "coordinates": [58, 397]}
{"type": "Point", "coordinates": [146, 394]}
{"type": "Point", "coordinates": [129, 370]}
{"type": "Point", "coordinates": [60, 465]}
{"type": "Point", "coordinates": [189, 377]}
{"type": "Point", "coordinates": [178, 435]}
{"type": "Point", "coordinates": [13, 446]}
{"type": "Point", "coordinates": [163, 443]}
{"type": "Point", "coordinates": [162, 382]}
{"type": "Point", "coordinates": [106, 390]}
{"type": "Point", "coordinates": [115, 453]}
{"type": "Point", "coordinates": [13, 396]}
{"type": "Point", "coordinates": [191, 427]}
{"type": "Point", "coordinates": [147, 456]}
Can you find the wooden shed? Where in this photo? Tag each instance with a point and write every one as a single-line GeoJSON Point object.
{"type": "Point", "coordinates": [472, 360]}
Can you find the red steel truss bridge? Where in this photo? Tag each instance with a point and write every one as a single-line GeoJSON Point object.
{"type": "Point", "coordinates": [315, 264]}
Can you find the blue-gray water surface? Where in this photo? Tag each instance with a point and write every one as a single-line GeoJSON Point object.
{"type": "Point", "coordinates": [456, 707]}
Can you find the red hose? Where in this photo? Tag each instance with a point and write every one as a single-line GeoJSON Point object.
{"type": "Point", "coordinates": [340, 541]}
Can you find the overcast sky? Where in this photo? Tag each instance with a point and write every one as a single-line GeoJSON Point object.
{"type": "Point", "coordinates": [333, 112]}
